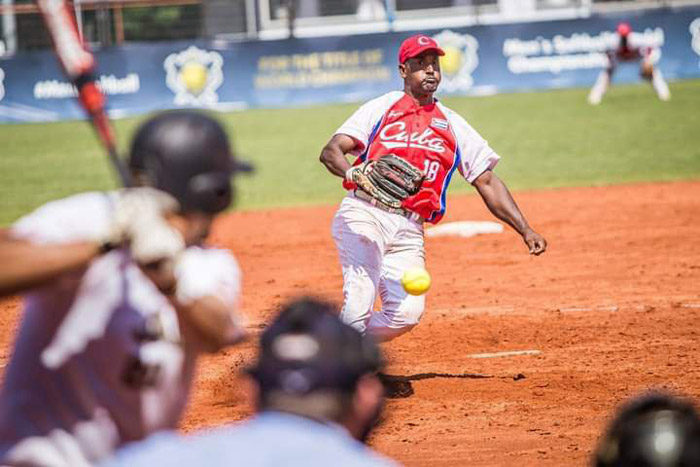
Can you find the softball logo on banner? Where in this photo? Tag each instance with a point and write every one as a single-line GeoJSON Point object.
{"type": "Point", "coordinates": [459, 62]}
{"type": "Point", "coordinates": [194, 75]}
{"type": "Point", "coordinates": [695, 31]}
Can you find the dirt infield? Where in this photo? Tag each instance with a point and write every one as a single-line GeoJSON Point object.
{"type": "Point", "coordinates": [610, 310]}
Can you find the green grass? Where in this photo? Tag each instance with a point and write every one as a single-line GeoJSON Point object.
{"type": "Point", "coordinates": [546, 139]}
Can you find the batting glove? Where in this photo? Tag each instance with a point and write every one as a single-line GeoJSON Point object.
{"type": "Point", "coordinates": [139, 221]}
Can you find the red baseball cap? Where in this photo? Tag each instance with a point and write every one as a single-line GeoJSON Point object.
{"type": "Point", "coordinates": [415, 45]}
{"type": "Point", "coordinates": [624, 29]}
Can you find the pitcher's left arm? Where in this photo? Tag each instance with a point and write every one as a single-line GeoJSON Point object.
{"type": "Point", "coordinates": [502, 205]}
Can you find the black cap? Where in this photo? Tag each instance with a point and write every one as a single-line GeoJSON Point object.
{"type": "Point", "coordinates": [656, 430]}
{"type": "Point", "coordinates": [308, 348]}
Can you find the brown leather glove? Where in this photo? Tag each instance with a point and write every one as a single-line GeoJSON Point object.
{"type": "Point", "coordinates": [389, 180]}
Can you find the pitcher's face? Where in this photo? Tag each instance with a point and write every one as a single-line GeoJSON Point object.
{"type": "Point", "coordinates": [422, 73]}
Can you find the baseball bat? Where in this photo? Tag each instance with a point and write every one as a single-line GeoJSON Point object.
{"type": "Point", "coordinates": [79, 65]}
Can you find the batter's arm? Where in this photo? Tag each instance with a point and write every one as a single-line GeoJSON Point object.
{"type": "Point", "coordinates": [333, 154]}
{"type": "Point", "coordinates": [204, 290]}
{"type": "Point", "coordinates": [208, 324]}
{"type": "Point", "coordinates": [26, 265]}
{"type": "Point", "coordinates": [502, 205]}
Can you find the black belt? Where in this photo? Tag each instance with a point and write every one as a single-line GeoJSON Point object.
{"type": "Point", "coordinates": [366, 197]}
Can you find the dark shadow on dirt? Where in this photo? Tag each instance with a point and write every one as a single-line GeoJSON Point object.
{"type": "Point", "coordinates": [399, 387]}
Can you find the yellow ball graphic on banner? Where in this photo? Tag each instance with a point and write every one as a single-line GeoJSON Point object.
{"type": "Point", "coordinates": [416, 281]}
{"type": "Point", "coordinates": [194, 75]}
{"type": "Point", "coordinates": [451, 62]}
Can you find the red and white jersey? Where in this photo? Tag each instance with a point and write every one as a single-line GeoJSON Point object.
{"type": "Point", "coordinates": [431, 137]}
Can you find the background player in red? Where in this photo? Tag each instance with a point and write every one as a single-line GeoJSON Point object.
{"type": "Point", "coordinates": [626, 51]}
{"type": "Point", "coordinates": [379, 237]}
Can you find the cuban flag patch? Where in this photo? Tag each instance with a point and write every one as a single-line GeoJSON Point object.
{"type": "Point", "coordinates": [439, 123]}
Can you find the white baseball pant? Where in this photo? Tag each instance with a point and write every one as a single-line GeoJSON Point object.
{"type": "Point", "coordinates": [375, 248]}
{"type": "Point", "coordinates": [603, 83]}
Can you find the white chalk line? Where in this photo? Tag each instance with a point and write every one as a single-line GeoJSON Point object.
{"type": "Point", "coordinates": [574, 309]}
{"type": "Point", "coordinates": [511, 353]}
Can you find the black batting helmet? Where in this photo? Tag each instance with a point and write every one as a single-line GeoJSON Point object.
{"type": "Point", "coordinates": [656, 430]}
{"type": "Point", "coordinates": [187, 154]}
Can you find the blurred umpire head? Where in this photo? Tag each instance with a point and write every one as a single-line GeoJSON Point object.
{"type": "Point", "coordinates": [313, 365]}
{"type": "Point", "coordinates": [657, 430]}
{"type": "Point", "coordinates": [187, 154]}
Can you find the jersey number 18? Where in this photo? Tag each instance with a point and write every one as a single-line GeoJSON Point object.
{"type": "Point", "coordinates": [430, 170]}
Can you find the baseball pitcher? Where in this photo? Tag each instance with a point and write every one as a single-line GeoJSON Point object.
{"type": "Point", "coordinates": [120, 298]}
{"type": "Point", "coordinates": [408, 147]}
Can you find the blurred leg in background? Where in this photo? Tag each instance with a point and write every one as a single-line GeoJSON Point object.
{"type": "Point", "coordinates": [600, 87]}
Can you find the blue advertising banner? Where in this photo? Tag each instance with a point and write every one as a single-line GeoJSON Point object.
{"type": "Point", "coordinates": [479, 60]}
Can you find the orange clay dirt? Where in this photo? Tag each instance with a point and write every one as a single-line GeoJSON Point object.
{"type": "Point", "coordinates": [610, 311]}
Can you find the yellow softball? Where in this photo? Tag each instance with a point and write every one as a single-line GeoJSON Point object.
{"type": "Point", "coordinates": [416, 281]}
